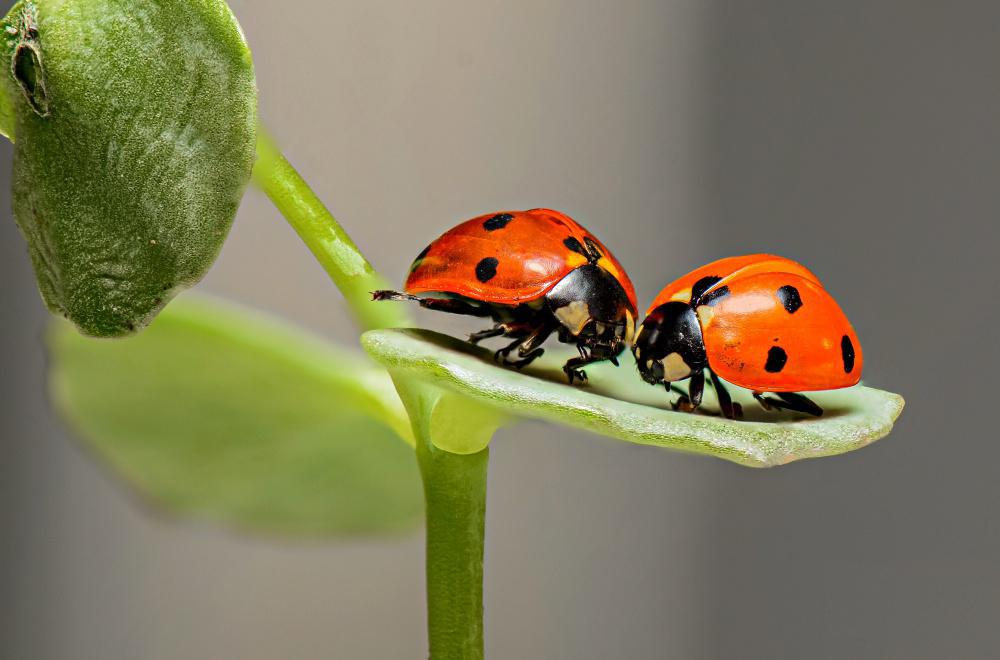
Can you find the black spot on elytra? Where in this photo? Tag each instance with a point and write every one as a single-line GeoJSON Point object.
{"type": "Point", "coordinates": [701, 286]}
{"type": "Point", "coordinates": [790, 298]}
{"type": "Point", "coordinates": [499, 221]}
{"type": "Point", "coordinates": [776, 360]}
{"type": "Point", "coordinates": [714, 296]}
{"type": "Point", "coordinates": [486, 269]}
{"type": "Point", "coordinates": [575, 245]}
{"type": "Point", "coordinates": [847, 352]}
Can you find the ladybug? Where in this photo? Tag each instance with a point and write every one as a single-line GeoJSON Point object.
{"type": "Point", "coordinates": [758, 321]}
{"type": "Point", "coordinates": [533, 273]}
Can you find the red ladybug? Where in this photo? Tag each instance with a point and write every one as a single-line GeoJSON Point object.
{"type": "Point", "coordinates": [759, 321]}
{"type": "Point", "coordinates": [534, 273]}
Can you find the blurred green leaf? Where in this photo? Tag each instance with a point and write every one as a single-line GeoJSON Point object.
{"type": "Point", "coordinates": [135, 132]}
{"type": "Point", "coordinates": [617, 403]}
{"type": "Point", "coordinates": [218, 414]}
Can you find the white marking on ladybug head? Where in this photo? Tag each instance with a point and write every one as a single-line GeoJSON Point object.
{"type": "Point", "coordinates": [574, 316]}
{"type": "Point", "coordinates": [675, 368]}
{"type": "Point", "coordinates": [705, 314]}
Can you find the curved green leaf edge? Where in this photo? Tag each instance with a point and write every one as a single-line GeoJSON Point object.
{"type": "Point", "coordinates": [618, 404]}
{"type": "Point", "coordinates": [219, 414]}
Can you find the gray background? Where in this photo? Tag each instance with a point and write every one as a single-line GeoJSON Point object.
{"type": "Point", "coordinates": [858, 137]}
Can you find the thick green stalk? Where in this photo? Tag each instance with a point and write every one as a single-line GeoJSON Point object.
{"type": "Point", "coordinates": [454, 484]}
{"type": "Point", "coordinates": [324, 236]}
{"type": "Point", "coordinates": [455, 498]}
{"type": "Point", "coordinates": [455, 494]}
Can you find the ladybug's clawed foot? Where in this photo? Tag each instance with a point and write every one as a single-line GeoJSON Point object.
{"type": "Point", "coordinates": [503, 356]}
{"type": "Point", "coordinates": [526, 359]}
{"type": "Point", "coordinates": [572, 367]}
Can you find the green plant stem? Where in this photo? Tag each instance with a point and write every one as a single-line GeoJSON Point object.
{"type": "Point", "coordinates": [455, 495]}
{"type": "Point", "coordinates": [455, 498]}
{"type": "Point", "coordinates": [454, 484]}
{"type": "Point", "coordinates": [324, 236]}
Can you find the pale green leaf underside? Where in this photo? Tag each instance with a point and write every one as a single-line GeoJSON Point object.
{"type": "Point", "coordinates": [617, 403]}
{"type": "Point", "coordinates": [218, 414]}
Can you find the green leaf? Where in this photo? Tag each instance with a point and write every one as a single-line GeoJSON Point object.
{"type": "Point", "coordinates": [135, 129]}
{"type": "Point", "coordinates": [456, 424]}
{"type": "Point", "coordinates": [617, 403]}
{"type": "Point", "coordinates": [218, 414]}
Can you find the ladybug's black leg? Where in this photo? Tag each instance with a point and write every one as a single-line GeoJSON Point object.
{"type": "Point", "coordinates": [688, 402]}
{"type": "Point", "coordinates": [696, 388]}
{"type": "Point", "coordinates": [450, 305]}
{"type": "Point", "coordinates": [528, 348]}
{"type": "Point", "coordinates": [789, 401]}
{"type": "Point", "coordinates": [453, 306]}
{"type": "Point", "coordinates": [501, 354]}
{"type": "Point", "coordinates": [386, 294]}
{"type": "Point", "coordinates": [495, 331]}
{"type": "Point", "coordinates": [799, 403]}
{"type": "Point", "coordinates": [722, 394]}
{"type": "Point", "coordinates": [571, 371]}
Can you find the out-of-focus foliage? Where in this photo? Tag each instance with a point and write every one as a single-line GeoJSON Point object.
{"type": "Point", "coordinates": [218, 414]}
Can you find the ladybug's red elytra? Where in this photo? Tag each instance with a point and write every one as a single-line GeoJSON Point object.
{"type": "Point", "coordinates": [758, 321]}
{"type": "Point", "coordinates": [534, 273]}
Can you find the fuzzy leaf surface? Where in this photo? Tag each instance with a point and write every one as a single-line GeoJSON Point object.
{"type": "Point", "coordinates": [134, 127]}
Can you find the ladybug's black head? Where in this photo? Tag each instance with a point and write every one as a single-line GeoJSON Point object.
{"type": "Point", "coordinates": [593, 309]}
{"type": "Point", "coordinates": [669, 345]}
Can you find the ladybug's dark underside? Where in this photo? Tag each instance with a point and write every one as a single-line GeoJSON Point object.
{"type": "Point", "coordinates": [570, 310]}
